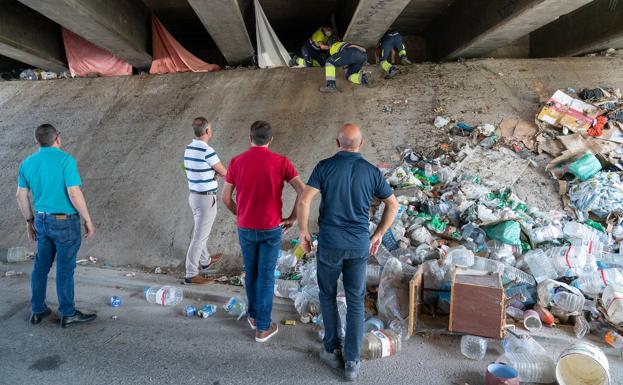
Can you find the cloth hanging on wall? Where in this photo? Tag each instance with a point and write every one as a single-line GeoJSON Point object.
{"type": "Point", "coordinates": [170, 57]}
{"type": "Point", "coordinates": [270, 51]}
{"type": "Point", "coordinates": [85, 58]}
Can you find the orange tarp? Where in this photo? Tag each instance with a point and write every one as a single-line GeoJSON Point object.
{"type": "Point", "coordinates": [169, 56]}
{"type": "Point", "coordinates": [86, 58]}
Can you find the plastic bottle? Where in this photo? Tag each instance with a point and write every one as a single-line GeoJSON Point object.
{"type": "Point", "coordinates": [514, 312]}
{"type": "Point", "coordinates": [286, 262]}
{"type": "Point", "coordinates": [380, 344]}
{"type": "Point", "coordinates": [18, 254]}
{"type": "Point", "coordinates": [517, 277]}
{"type": "Point", "coordinates": [540, 265]}
{"type": "Point", "coordinates": [460, 256]}
{"type": "Point", "coordinates": [580, 326]}
{"type": "Point", "coordinates": [545, 233]}
{"type": "Point", "coordinates": [236, 307]}
{"type": "Point", "coordinates": [613, 339]}
{"type": "Point", "coordinates": [164, 296]}
{"type": "Point", "coordinates": [568, 302]}
{"type": "Point", "coordinates": [474, 347]}
{"type": "Point", "coordinates": [285, 288]}
{"type": "Point", "coordinates": [515, 343]}
{"type": "Point", "coordinates": [373, 275]}
{"type": "Point", "coordinates": [489, 265]}
{"type": "Point", "coordinates": [569, 260]}
{"type": "Point", "coordinates": [595, 282]}
{"type": "Point", "coordinates": [612, 299]}
{"type": "Point", "coordinates": [535, 368]}
{"type": "Point", "coordinates": [581, 231]}
{"type": "Point", "coordinates": [373, 323]}
{"type": "Point", "coordinates": [475, 237]}
{"type": "Point", "coordinates": [610, 259]}
{"type": "Point", "coordinates": [382, 255]}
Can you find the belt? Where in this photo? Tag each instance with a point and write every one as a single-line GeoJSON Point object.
{"type": "Point", "coordinates": [203, 192]}
{"type": "Point", "coordinates": [58, 216]}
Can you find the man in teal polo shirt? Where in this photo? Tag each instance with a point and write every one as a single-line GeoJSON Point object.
{"type": "Point", "coordinates": [52, 177]}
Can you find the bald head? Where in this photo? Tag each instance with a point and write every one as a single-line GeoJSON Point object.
{"type": "Point", "coordinates": [350, 137]}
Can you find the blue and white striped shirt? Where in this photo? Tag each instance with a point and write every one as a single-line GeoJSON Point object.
{"type": "Point", "coordinates": [198, 161]}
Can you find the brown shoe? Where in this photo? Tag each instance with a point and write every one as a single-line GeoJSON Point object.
{"type": "Point", "coordinates": [197, 279]}
{"type": "Point", "coordinates": [252, 323]}
{"type": "Point", "coordinates": [265, 335]}
{"type": "Point", "coordinates": [213, 260]}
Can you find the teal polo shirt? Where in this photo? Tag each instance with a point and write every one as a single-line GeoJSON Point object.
{"type": "Point", "coordinates": [48, 173]}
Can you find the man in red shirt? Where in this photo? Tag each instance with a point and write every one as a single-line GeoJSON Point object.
{"type": "Point", "coordinates": [258, 175]}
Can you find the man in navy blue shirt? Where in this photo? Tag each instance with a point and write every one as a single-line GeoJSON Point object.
{"type": "Point", "coordinates": [348, 184]}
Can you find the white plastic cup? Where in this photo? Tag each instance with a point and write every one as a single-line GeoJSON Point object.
{"type": "Point", "coordinates": [532, 321]}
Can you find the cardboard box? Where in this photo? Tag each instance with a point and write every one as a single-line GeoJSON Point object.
{"type": "Point", "coordinates": [477, 305]}
{"type": "Point", "coordinates": [563, 110]}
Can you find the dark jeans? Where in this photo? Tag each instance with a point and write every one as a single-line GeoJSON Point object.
{"type": "Point", "coordinates": [351, 57]}
{"type": "Point", "coordinates": [260, 250]}
{"type": "Point", "coordinates": [389, 43]}
{"type": "Point", "coordinates": [352, 265]}
{"type": "Point", "coordinates": [60, 239]}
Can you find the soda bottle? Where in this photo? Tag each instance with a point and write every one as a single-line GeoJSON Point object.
{"type": "Point", "coordinates": [164, 296]}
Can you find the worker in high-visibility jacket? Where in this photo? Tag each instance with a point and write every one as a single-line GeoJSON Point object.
{"type": "Point", "coordinates": [392, 40]}
{"type": "Point", "coordinates": [314, 50]}
{"type": "Point", "coordinates": [352, 57]}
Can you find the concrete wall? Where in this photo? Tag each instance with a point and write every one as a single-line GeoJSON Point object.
{"type": "Point", "coordinates": [128, 134]}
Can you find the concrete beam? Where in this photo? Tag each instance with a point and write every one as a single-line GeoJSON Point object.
{"type": "Point", "coordinates": [224, 21]}
{"type": "Point", "coordinates": [119, 26]}
{"type": "Point", "coordinates": [30, 38]}
{"type": "Point", "coordinates": [593, 28]}
{"type": "Point", "coordinates": [472, 28]}
{"type": "Point", "coordinates": [371, 19]}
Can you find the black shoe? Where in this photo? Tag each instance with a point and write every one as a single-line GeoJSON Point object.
{"type": "Point", "coordinates": [77, 318]}
{"type": "Point", "coordinates": [36, 318]}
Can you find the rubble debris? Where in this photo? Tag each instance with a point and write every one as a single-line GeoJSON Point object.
{"type": "Point", "coordinates": [13, 273]}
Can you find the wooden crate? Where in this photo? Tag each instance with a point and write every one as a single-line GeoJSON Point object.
{"type": "Point", "coordinates": [416, 284]}
{"type": "Point", "coordinates": [477, 305]}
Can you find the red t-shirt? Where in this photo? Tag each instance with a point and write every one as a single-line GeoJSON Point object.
{"type": "Point", "coordinates": [259, 175]}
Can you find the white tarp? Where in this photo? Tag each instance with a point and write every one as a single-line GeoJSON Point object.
{"type": "Point", "coordinates": [270, 51]}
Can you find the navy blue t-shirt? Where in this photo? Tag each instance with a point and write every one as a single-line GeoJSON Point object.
{"type": "Point", "coordinates": [348, 184]}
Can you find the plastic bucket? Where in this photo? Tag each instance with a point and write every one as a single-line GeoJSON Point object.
{"type": "Point", "coordinates": [582, 364]}
{"type": "Point", "coordinates": [501, 374]}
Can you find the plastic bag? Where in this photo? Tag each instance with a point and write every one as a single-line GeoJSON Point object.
{"type": "Point", "coordinates": [508, 232]}
{"type": "Point", "coordinates": [387, 303]}
{"type": "Point", "coordinates": [586, 167]}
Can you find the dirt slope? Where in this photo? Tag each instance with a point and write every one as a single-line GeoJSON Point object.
{"type": "Point", "coordinates": [128, 135]}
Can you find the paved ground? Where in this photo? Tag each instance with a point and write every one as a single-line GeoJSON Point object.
{"type": "Point", "coordinates": [149, 344]}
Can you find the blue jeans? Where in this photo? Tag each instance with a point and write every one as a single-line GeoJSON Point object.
{"type": "Point", "coordinates": [260, 251]}
{"type": "Point", "coordinates": [352, 58]}
{"type": "Point", "coordinates": [60, 239]}
{"type": "Point", "coordinates": [310, 53]}
{"type": "Point", "coordinates": [352, 265]}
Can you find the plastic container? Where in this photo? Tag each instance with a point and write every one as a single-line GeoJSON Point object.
{"type": "Point", "coordinates": [596, 282]}
{"type": "Point", "coordinates": [515, 276]}
{"type": "Point", "coordinates": [474, 347]}
{"type": "Point", "coordinates": [489, 265]}
{"type": "Point", "coordinates": [609, 260]}
{"type": "Point", "coordinates": [18, 254]}
{"type": "Point", "coordinates": [207, 311]}
{"type": "Point", "coordinates": [540, 265]}
{"type": "Point", "coordinates": [582, 364]}
{"type": "Point", "coordinates": [521, 344]}
{"type": "Point", "coordinates": [581, 231]}
{"type": "Point", "coordinates": [373, 323]}
{"type": "Point", "coordinates": [380, 344]}
{"type": "Point", "coordinates": [545, 233]}
{"type": "Point", "coordinates": [612, 299]}
{"type": "Point", "coordinates": [568, 302]}
{"type": "Point", "coordinates": [286, 262]}
{"type": "Point", "coordinates": [373, 275]}
{"type": "Point", "coordinates": [532, 321]}
{"type": "Point", "coordinates": [569, 260]}
{"type": "Point", "coordinates": [286, 288]}
{"type": "Point", "coordinates": [514, 312]}
{"type": "Point", "coordinates": [580, 326]}
{"type": "Point", "coordinates": [535, 368]}
{"type": "Point", "coordinates": [236, 307]}
{"type": "Point", "coordinates": [460, 256]}
{"type": "Point", "coordinates": [501, 374]}
{"type": "Point", "coordinates": [164, 296]}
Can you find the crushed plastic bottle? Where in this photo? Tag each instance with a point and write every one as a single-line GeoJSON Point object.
{"type": "Point", "coordinates": [540, 265]}
{"type": "Point", "coordinates": [474, 347]}
{"type": "Point", "coordinates": [286, 262]}
{"type": "Point", "coordinates": [236, 307]}
{"type": "Point", "coordinates": [571, 260]}
{"type": "Point", "coordinates": [596, 282]}
{"type": "Point", "coordinates": [286, 288]}
{"type": "Point", "coordinates": [568, 302]}
{"type": "Point", "coordinates": [516, 343]}
{"type": "Point", "coordinates": [545, 233]}
{"type": "Point", "coordinates": [373, 274]}
{"type": "Point", "coordinates": [380, 344]}
{"type": "Point", "coordinates": [18, 254]}
{"type": "Point", "coordinates": [583, 232]}
{"type": "Point", "coordinates": [164, 296]}
{"type": "Point", "coordinates": [460, 256]}
{"type": "Point", "coordinates": [580, 326]}
{"type": "Point", "coordinates": [373, 323]}
{"type": "Point", "coordinates": [534, 368]}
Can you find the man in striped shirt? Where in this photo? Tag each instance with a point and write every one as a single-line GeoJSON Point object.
{"type": "Point", "coordinates": [202, 167]}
